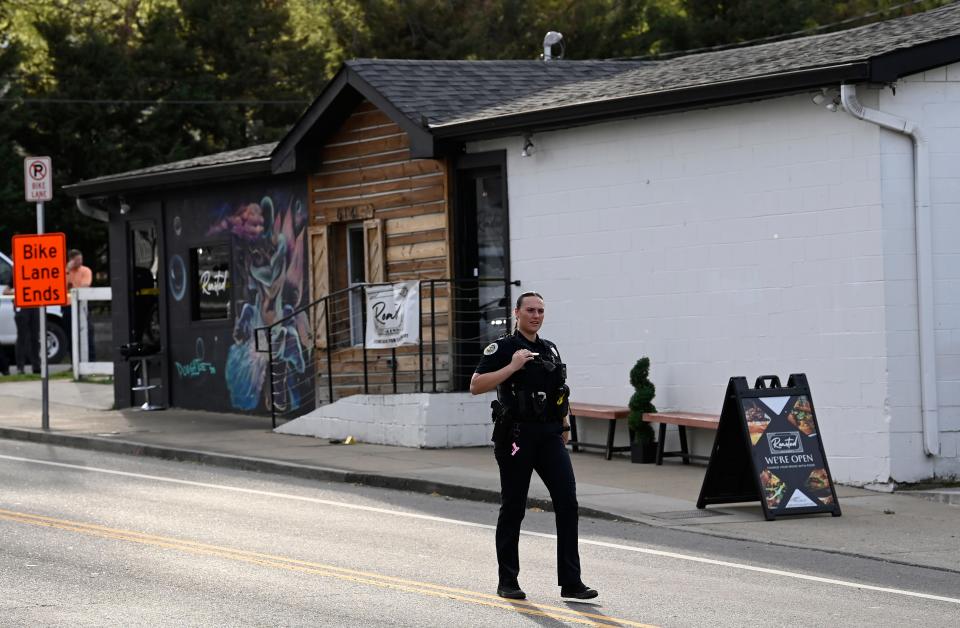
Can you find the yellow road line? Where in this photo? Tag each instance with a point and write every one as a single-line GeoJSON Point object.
{"type": "Point", "coordinates": [331, 571]}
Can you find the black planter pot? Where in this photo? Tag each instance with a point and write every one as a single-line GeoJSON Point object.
{"type": "Point", "coordinates": [643, 453]}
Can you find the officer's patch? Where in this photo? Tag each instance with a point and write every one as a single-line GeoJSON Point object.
{"type": "Point", "coordinates": [491, 349]}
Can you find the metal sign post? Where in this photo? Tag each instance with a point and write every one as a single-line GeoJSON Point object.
{"type": "Point", "coordinates": [44, 373]}
{"type": "Point", "coordinates": [38, 186]}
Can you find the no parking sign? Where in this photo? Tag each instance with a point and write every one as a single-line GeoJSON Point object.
{"type": "Point", "coordinates": [38, 179]}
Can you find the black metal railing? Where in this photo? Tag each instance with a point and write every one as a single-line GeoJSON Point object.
{"type": "Point", "coordinates": [319, 353]}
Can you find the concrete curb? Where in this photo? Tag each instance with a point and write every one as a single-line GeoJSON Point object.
{"type": "Point", "coordinates": [291, 469]}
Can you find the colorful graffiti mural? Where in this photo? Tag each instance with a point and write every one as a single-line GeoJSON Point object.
{"type": "Point", "coordinates": [269, 244]}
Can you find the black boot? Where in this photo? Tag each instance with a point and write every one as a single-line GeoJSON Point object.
{"type": "Point", "coordinates": [511, 591]}
{"type": "Point", "coordinates": [579, 592]}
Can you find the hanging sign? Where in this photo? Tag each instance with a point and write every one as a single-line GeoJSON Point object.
{"type": "Point", "coordinates": [39, 270]}
{"type": "Point", "coordinates": [768, 448]}
{"type": "Point", "coordinates": [393, 315]}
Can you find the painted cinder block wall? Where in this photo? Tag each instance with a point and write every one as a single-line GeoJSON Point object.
{"type": "Point", "coordinates": [931, 99]}
{"type": "Point", "coordinates": [743, 240]}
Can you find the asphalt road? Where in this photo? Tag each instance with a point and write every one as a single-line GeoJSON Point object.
{"type": "Point", "coordinates": [96, 539]}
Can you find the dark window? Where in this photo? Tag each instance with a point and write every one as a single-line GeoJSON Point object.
{"type": "Point", "coordinates": [211, 282]}
{"type": "Point", "coordinates": [357, 275]}
{"type": "Point", "coordinates": [6, 274]}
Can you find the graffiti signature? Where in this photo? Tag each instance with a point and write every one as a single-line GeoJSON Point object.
{"type": "Point", "coordinates": [195, 368]}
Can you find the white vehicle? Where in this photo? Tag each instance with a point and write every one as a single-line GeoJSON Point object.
{"type": "Point", "coordinates": [56, 327]}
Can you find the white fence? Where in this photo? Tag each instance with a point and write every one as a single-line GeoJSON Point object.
{"type": "Point", "coordinates": [80, 330]}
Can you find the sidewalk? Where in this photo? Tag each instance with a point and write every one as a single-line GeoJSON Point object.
{"type": "Point", "coordinates": [894, 527]}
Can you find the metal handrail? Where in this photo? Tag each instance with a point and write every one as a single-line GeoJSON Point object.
{"type": "Point", "coordinates": [268, 332]}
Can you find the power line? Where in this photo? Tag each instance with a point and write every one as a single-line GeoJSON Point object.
{"type": "Point", "coordinates": [104, 101]}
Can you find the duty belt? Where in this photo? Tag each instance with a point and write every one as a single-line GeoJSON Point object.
{"type": "Point", "coordinates": [534, 406]}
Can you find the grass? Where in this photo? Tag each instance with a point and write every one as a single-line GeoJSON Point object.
{"type": "Point", "coordinates": [927, 485]}
{"type": "Point", "coordinates": [33, 377]}
{"type": "Point", "coordinates": [67, 375]}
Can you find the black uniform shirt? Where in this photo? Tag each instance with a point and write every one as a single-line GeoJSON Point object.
{"type": "Point", "coordinates": [533, 376]}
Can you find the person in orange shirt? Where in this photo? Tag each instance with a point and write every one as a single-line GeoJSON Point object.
{"type": "Point", "coordinates": [78, 276]}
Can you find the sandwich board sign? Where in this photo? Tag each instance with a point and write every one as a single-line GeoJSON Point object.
{"type": "Point", "coordinates": [39, 265]}
{"type": "Point", "coordinates": [768, 449]}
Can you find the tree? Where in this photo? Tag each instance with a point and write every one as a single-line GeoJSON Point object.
{"type": "Point", "coordinates": [119, 84]}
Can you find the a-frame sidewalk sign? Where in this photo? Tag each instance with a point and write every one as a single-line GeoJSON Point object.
{"type": "Point", "coordinates": [768, 449]}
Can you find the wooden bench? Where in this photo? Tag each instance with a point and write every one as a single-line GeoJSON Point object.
{"type": "Point", "coordinates": [682, 420]}
{"type": "Point", "coordinates": [597, 411]}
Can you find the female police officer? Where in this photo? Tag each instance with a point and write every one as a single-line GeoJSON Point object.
{"type": "Point", "coordinates": [530, 434]}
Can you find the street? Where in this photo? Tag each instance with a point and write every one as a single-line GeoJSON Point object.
{"type": "Point", "coordinates": [100, 539]}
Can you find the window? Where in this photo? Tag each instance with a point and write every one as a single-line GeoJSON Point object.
{"type": "Point", "coordinates": [6, 273]}
{"type": "Point", "coordinates": [356, 275]}
{"type": "Point", "coordinates": [211, 282]}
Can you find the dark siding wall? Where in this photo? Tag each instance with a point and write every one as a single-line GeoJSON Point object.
{"type": "Point", "coordinates": [214, 364]}
{"type": "Point", "coordinates": [120, 283]}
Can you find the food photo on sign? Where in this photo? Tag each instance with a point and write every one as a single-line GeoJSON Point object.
{"type": "Point", "coordinates": [787, 452]}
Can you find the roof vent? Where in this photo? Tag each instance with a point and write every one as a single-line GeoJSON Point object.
{"type": "Point", "coordinates": [552, 39]}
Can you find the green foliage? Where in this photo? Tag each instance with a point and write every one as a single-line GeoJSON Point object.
{"type": "Point", "coordinates": [641, 402]}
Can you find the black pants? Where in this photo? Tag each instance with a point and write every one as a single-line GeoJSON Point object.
{"type": "Point", "coordinates": [28, 335]}
{"type": "Point", "coordinates": [541, 449]}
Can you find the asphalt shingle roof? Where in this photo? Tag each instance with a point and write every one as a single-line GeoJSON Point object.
{"type": "Point", "coordinates": [449, 93]}
{"type": "Point", "coordinates": [250, 153]}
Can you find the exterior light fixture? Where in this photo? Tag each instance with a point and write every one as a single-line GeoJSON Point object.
{"type": "Point", "coordinates": [528, 147]}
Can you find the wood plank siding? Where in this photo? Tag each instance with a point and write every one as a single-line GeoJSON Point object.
{"type": "Point", "coordinates": [368, 179]}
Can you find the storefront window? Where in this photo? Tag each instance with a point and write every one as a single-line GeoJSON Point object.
{"type": "Point", "coordinates": [211, 282]}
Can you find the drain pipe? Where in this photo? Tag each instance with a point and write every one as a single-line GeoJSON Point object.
{"type": "Point", "coordinates": [921, 199]}
{"type": "Point", "coordinates": [92, 212]}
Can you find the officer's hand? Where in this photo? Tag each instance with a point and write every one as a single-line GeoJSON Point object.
{"type": "Point", "coordinates": [520, 358]}
{"type": "Point", "coordinates": [565, 435]}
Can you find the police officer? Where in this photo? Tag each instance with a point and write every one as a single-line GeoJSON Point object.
{"type": "Point", "coordinates": [530, 434]}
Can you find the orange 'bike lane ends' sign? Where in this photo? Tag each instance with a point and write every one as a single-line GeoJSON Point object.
{"type": "Point", "coordinates": [39, 263]}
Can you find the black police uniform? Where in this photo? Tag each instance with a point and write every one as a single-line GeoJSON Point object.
{"type": "Point", "coordinates": [530, 438]}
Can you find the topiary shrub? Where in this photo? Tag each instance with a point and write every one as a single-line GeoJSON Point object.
{"type": "Point", "coordinates": [641, 401]}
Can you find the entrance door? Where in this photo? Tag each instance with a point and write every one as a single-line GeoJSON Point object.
{"type": "Point", "coordinates": [145, 278]}
{"type": "Point", "coordinates": [482, 261]}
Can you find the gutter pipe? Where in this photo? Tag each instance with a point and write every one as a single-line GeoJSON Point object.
{"type": "Point", "coordinates": [91, 212]}
{"type": "Point", "coordinates": [929, 410]}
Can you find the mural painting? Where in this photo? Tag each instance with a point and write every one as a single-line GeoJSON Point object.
{"type": "Point", "coordinates": [270, 243]}
{"type": "Point", "coordinates": [233, 266]}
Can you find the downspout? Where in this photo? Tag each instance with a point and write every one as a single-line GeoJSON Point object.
{"type": "Point", "coordinates": [921, 200]}
{"type": "Point", "coordinates": [91, 212]}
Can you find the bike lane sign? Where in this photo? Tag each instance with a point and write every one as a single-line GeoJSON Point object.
{"type": "Point", "coordinates": [38, 179]}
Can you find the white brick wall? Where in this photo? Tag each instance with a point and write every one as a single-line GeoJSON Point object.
{"type": "Point", "coordinates": [931, 99]}
{"type": "Point", "coordinates": [769, 237]}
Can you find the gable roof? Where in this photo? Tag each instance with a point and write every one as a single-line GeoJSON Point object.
{"type": "Point", "coordinates": [463, 100]}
